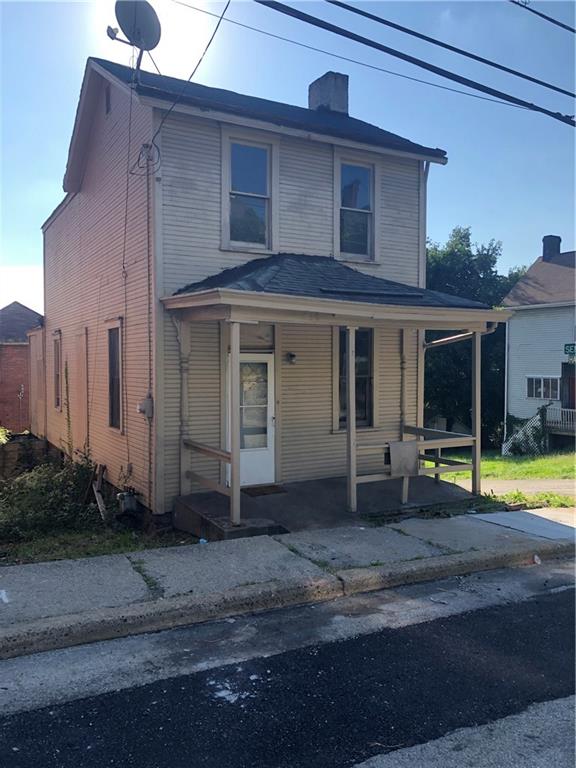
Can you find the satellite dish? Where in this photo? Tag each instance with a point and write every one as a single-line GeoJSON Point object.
{"type": "Point", "coordinates": [139, 22]}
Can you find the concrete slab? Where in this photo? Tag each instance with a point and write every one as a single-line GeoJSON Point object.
{"type": "Point", "coordinates": [355, 547]}
{"type": "Point", "coordinates": [219, 566]}
{"type": "Point", "coordinates": [36, 591]}
{"type": "Point", "coordinates": [462, 533]}
{"type": "Point", "coordinates": [535, 522]}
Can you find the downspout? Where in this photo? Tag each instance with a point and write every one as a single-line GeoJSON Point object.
{"type": "Point", "coordinates": [420, 333]}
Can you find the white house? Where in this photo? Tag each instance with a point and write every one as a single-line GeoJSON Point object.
{"type": "Point", "coordinates": [540, 342]}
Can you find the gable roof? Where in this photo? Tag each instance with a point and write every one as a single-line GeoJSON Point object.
{"type": "Point", "coordinates": [323, 277]}
{"type": "Point", "coordinates": [15, 321]}
{"type": "Point", "coordinates": [322, 121]}
{"type": "Point", "coordinates": [546, 282]}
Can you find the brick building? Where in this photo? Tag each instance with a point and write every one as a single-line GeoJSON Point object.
{"type": "Point", "coordinates": [15, 321]}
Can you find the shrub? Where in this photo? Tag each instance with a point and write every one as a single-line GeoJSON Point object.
{"type": "Point", "coordinates": [50, 497]}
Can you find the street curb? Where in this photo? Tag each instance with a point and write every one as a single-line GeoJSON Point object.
{"type": "Point", "coordinates": [164, 613]}
{"type": "Point", "coordinates": [413, 571]}
{"type": "Point", "coordinates": [152, 616]}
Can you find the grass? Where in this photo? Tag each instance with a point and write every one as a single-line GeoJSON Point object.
{"type": "Point", "coordinates": [74, 544]}
{"type": "Point", "coordinates": [554, 466]}
{"type": "Point", "coordinates": [535, 500]}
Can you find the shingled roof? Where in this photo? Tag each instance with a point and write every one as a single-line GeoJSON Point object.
{"type": "Point", "coordinates": [321, 121]}
{"type": "Point", "coordinates": [322, 277]}
{"type": "Point", "coordinates": [15, 321]}
{"type": "Point", "coordinates": [549, 281]}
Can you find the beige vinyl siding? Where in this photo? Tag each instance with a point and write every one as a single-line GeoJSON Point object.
{"type": "Point", "coordinates": [191, 176]}
{"type": "Point", "coordinates": [204, 396]}
{"type": "Point", "coordinates": [310, 447]}
{"type": "Point", "coordinates": [189, 198]}
{"type": "Point", "coordinates": [84, 289]}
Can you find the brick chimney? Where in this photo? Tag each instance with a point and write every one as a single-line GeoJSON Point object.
{"type": "Point", "coordinates": [329, 92]}
{"type": "Point", "coordinates": [550, 247]}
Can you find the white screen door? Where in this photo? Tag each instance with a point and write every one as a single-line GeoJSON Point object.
{"type": "Point", "coordinates": [257, 427]}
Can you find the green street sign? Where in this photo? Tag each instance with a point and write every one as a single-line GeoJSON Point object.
{"type": "Point", "coordinates": [570, 349]}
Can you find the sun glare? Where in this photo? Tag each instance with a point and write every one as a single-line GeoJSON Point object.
{"type": "Point", "coordinates": [184, 35]}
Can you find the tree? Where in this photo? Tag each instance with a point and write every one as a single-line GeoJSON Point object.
{"type": "Point", "coordinates": [468, 270]}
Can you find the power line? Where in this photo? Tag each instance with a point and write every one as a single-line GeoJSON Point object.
{"type": "Point", "coordinates": [200, 60]}
{"type": "Point", "coordinates": [526, 7]}
{"type": "Point", "coordinates": [321, 24]}
{"type": "Point", "coordinates": [448, 47]}
{"type": "Point", "coordinates": [347, 58]}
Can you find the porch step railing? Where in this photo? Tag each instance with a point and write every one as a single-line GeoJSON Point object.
{"type": "Point", "coordinates": [213, 453]}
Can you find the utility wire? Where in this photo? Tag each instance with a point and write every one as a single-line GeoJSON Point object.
{"type": "Point", "coordinates": [321, 24]}
{"type": "Point", "coordinates": [204, 52]}
{"type": "Point", "coordinates": [448, 47]}
{"type": "Point", "coordinates": [347, 58]}
{"type": "Point", "coordinates": [526, 7]}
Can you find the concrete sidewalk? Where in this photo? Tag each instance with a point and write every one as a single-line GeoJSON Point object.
{"type": "Point", "coordinates": [56, 604]}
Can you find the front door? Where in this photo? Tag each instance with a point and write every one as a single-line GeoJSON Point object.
{"type": "Point", "coordinates": [257, 421]}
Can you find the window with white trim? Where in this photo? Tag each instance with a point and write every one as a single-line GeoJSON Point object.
{"type": "Point", "coordinates": [356, 211]}
{"type": "Point", "coordinates": [249, 194]}
{"type": "Point", "coordinates": [543, 387]}
{"type": "Point", "coordinates": [364, 377]}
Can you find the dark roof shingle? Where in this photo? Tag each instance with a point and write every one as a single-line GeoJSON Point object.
{"type": "Point", "coordinates": [15, 321]}
{"type": "Point", "coordinates": [323, 277]}
{"type": "Point", "coordinates": [320, 121]}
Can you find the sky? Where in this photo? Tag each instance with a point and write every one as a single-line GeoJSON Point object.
{"type": "Point", "coordinates": [511, 172]}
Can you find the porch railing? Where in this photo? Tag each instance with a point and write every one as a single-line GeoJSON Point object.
{"type": "Point", "coordinates": [428, 439]}
{"type": "Point", "coordinates": [561, 418]}
{"type": "Point", "coordinates": [213, 453]}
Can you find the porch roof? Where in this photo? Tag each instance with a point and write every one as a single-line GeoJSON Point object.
{"type": "Point", "coordinates": [323, 277]}
{"type": "Point", "coordinates": [327, 290]}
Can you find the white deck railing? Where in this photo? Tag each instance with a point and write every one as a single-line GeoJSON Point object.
{"type": "Point", "coordinates": [561, 418]}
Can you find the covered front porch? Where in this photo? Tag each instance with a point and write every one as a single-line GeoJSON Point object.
{"type": "Point", "coordinates": [389, 464]}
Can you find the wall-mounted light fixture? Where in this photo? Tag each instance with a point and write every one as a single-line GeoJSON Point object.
{"type": "Point", "coordinates": [291, 358]}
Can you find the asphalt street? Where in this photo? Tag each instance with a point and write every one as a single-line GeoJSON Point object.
{"type": "Point", "coordinates": [330, 704]}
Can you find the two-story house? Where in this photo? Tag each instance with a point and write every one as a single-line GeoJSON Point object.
{"type": "Point", "coordinates": [235, 291]}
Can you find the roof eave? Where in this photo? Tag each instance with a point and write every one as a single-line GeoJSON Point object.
{"type": "Point", "coordinates": [275, 127]}
{"type": "Point", "coordinates": [459, 316]}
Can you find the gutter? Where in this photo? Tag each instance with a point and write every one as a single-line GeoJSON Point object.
{"type": "Point", "coordinates": [491, 327]}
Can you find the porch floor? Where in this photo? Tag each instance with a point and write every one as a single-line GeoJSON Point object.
{"type": "Point", "coordinates": [307, 505]}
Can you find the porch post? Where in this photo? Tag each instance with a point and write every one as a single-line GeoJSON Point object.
{"type": "Point", "coordinates": [235, 422]}
{"type": "Point", "coordinates": [351, 416]}
{"type": "Point", "coordinates": [476, 411]}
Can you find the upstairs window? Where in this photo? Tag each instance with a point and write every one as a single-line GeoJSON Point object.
{"type": "Point", "coordinates": [58, 372]}
{"type": "Point", "coordinates": [364, 377]}
{"type": "Point", "coordinates": [114, 379]}
{"type": "Point", "coordinates": [543, 387]}
{"type": "Point", "coordinates": [250, 194]}
{"type": "Point", "coordinates": [356, 211]}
